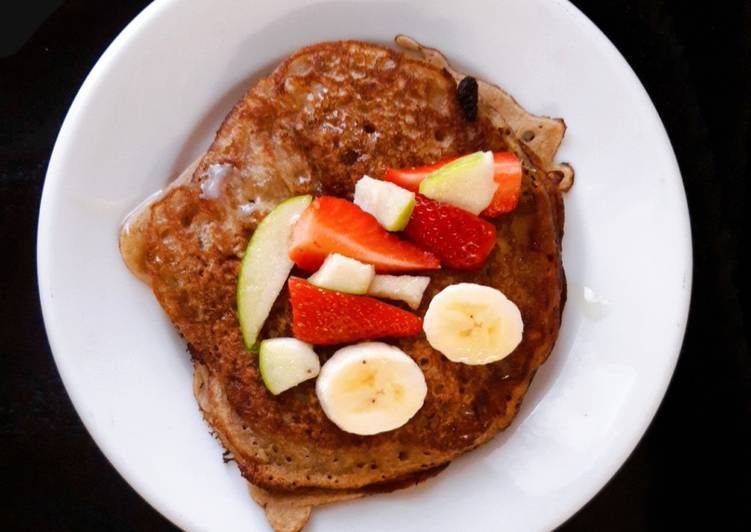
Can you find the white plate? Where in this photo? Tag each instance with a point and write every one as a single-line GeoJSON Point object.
{"type": "Point", "coordinates": [151, 105]}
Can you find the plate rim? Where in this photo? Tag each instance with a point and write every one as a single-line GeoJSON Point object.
{"type": "Point", "coordinates": [53, 180]}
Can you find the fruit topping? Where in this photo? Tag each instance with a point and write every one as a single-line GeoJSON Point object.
{"type": "Point", "coordinates": [333, 225]}
{"type": "Point", "coordinates": [507, 172]}
{"type": "Point", "coordinates": [473, 324]}
{"type": "Point", "coordinates": [266, 266]}
{"type": "Point", "coordinates": [458, 238]}
{"type": "Point", "coordinates": [286, 362]}
{"type": "Point", "coordinates": [390, 204]}
{"type": "Point", "coordinates": [410, 178]}
{"type": "Point", "coordinates": [343, 274]}
{"type": "Point", "coordinates": [370, 387]}
{"type": "Point", "coordinates": [407, 288]}
{"type": "Point", "coordinates": [325, 317]}
{"type": "Point", "coordinates": [466, 182]}
{"type": "Point", "coordinates": [508, 175]}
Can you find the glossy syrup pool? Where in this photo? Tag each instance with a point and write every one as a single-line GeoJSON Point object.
{"type": "Point", "coordinates": [132, 238]}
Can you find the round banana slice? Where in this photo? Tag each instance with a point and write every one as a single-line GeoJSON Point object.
{"type": "Point", "coordinates": [473, 324]}
{"type": "Point", "coordinates": [370, 387]}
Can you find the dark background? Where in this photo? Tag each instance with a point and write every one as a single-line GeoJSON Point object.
{"type": "Point", "coordinates": [693, 466]}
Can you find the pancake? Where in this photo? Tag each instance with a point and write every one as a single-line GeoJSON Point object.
{"type": "Point", "coordinates": [327, 115]}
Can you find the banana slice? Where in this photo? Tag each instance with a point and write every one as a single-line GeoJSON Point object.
{"type": "Point", "coordinates": [473, 324]}
{"type": "Point", "coordinates": [343, 274]}
{"type": "Point", "coordinates": [370, 387]}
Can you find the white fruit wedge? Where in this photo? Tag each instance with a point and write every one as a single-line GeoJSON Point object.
{"type": "Point", "coordinates": [390, 204]}
{"type": "Point", "coordinates": [370, 387]}
{"type": "Point", "coordinates": [407, 288]}
{"type": "Point", "coordinates": [286, 362]}
{"type": "Point", "coordinates": [467, 182]}
{"type": "Point", "coordinates": [343, 274]}
{"type": "Point", "coordinates": [473, 324]}
{"type": "Point", "coordinates": [266, 266]}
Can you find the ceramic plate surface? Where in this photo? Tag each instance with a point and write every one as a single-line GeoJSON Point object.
{"type": "Point", "coordinates": [152, 104]}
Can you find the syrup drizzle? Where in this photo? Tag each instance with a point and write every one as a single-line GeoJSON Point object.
{"type": "Point", "coordinates": [132, 238]}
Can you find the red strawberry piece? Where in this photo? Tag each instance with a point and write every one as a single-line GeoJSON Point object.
{"type": "Point", "coordinates": [459, 238]}
{"type": "Point", "coordinates": [508, 175]}
{"type": "Point", "coordinates": [410, 178]}
{"type": "Point", "coordinates": [333, 225]}
{"type": "Point", "coordinates": [326, 317]}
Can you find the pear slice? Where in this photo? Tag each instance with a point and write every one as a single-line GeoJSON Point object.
{"type": "Point", "coordinates": [407, 288]}
{"type": "Point", "coordinates": [286, 362]}
{"type": "Point", "coordinates": [390, 204]}
{"type": "Point", "coordinates": [343, 274]}
{"type": "Point", "coordinates": [266, 266]}
{"type": "Point", "coordinates": [467, 182]}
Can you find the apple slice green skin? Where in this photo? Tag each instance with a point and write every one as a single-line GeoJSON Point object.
{"type": "Point", "coordinates": [407, 288]}
{"type": "Point", "coordinates": [390, 204]}
{"type": "Point", "coordinates": [467, 182]}
{"type": "Point", "coordinates": [286, 362]}
{"type": "Point", "coordinates": [266, 266]}
{"type": "Point", "coordinates": [401, 221]}
{"type": "Point", "coordinates": [343, 274]}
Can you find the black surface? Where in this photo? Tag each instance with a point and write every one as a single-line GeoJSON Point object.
{"type": "Point", "coordinates": [693, 467]}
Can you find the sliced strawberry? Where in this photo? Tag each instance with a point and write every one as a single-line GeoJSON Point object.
{"type": "Point", "coordinates": [410, 178]}
{"type": "Point", "coordinates": [333, 225]}
{"type": "Point", "coordinates": [508, 175]}
{"type": "Point", "coordinates": [325, 317]}
{"type": "Point", "coordinates": [459, 238]}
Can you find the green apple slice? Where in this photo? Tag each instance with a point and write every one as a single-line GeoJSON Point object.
{"type": "Point", "coordinates": [407, 288]}
{"type": "Point", "coordinates": [286, 362]}
{"type": "Point", "coordinates": [467, 182]}
{"type": "Point", "coordinates": [266, 266]}
{"type": "Point", "coordinates": [343, 274]}
{"type": "Point", "coordinates": [390, 204]}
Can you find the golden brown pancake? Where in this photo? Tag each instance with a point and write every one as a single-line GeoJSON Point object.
{"type": "Point", "coordinates": [327, 115]}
